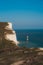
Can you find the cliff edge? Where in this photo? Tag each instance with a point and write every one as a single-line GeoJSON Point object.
{"type": "Point", "coordinates": [7, 33]}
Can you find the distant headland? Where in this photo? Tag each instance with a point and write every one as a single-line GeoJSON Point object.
{"type": "Point", "coordinates": [7, 33]}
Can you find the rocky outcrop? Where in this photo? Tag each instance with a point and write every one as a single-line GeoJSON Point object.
{"type": "Point", "coordinates": [7, 33]}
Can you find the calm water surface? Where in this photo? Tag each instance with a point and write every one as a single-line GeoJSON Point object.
{"type": "Point", "coordinates": [35, 38]}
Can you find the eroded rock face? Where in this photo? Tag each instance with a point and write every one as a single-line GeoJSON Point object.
{"type": "Point", "coordinates": [7, 33]}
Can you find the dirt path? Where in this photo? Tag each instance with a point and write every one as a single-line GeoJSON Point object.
{"type": "Point", "coordinates": [18, 63]}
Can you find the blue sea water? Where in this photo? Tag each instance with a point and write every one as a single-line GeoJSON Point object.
{"type": "Point", "coordinates": [35, 37]}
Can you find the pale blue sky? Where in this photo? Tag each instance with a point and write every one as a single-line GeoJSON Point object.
{"type": "Point", "coordinates": [24, 14]}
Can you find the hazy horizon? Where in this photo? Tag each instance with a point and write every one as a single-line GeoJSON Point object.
{"type": "Point", "coordinates": [24, 14]}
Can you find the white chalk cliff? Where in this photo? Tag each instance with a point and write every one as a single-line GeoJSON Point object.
{"type": "Point", "coordinates": [7, 32]}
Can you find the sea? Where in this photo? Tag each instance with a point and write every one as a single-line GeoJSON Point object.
{"type": "Point", "coordinates": [30, 37]}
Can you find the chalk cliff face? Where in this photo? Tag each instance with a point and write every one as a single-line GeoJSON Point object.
{"type": "Point", "coordinates": [7, 33]}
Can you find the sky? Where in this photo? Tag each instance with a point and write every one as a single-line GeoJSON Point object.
{"type": "Point", "coordinates": [24, 14]}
